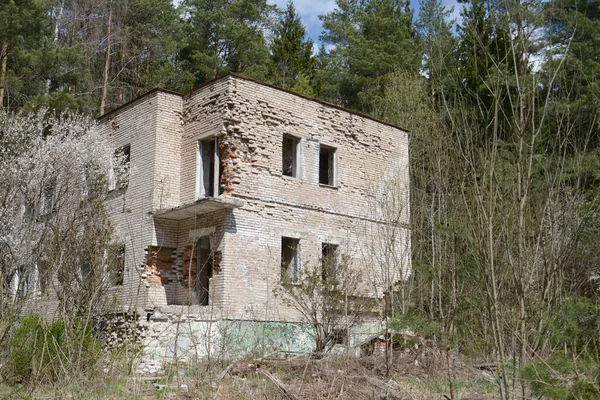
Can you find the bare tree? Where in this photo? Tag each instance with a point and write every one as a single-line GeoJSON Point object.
{"type": "Point", "coordinates": [332, 298]}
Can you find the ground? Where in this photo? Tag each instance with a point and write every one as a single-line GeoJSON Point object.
{"type": "Point", "coordinates": [418, 373]}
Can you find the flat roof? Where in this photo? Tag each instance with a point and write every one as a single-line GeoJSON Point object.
{"type": "Point", "coordinates": [246, 78]}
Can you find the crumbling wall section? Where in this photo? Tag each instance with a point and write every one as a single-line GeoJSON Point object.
{"type": "Point", "coordinates": [169, 272]}
{"type": "Point", "coordinates": [205, 110]}
{"type": "Point", "coordinates": [186, 335]}
{"type": "Point", "coordinates": [367, 153]}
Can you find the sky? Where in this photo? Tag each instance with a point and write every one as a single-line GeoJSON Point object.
{"type": "Point", "coordinates": [309, 11]}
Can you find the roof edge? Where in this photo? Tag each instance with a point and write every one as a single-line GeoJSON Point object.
{"type": "Point", "coordinates": [323, 102]}
{"type": "Point", "coordinates": [132, 101]}
{"type": "Point", "coordinates": [247, 78]}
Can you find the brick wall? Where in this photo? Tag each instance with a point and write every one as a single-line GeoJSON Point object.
{"type": "Point", "coordinates": [250, 118]}
{"type": "Point", "coordinates": [151, 126]}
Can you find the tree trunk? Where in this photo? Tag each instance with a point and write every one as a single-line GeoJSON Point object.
{"type": "Point", "coordinates": [55, 39]}
{"type": "Point", "coordinates": [3, 58]}
{"type": "Point", "coordinates": [121, 83]}
{"type": "Point", "coordinates": [107, 62]}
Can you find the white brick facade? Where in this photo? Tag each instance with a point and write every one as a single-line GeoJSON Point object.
{"type": "Point", "coordinates": [159, 216]}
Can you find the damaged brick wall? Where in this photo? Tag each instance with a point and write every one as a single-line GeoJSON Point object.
{"type": "Point", "coordinates": [158, 267]}
{"type": "Point", "coordinates": [250, 119]}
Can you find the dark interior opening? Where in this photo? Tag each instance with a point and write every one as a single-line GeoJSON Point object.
{"type": "Point", "coordinates": [204, 266]}
{"type": "Point", "coordinates": [328, 261]}
{"type": "Point", "coordinates": [289, 149]}
{"type": "Point", "coordinates": [326, 165]}
{"type": "Point", "coordinates": [209, 160]}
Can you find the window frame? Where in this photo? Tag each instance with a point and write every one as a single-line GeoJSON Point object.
{"type": "Point", "coordinates": [203, 293]}
{"type": "Point", "coordinates": [295, 153]}
{"type": "Point", "coordinates": [215, 189]}
{"type": "Point", "coordinates": [121, 169]}
{"type": "Point", "coordinates": [293, 278]}
{"type": "Point", "coordinates": [330, 262]}
{"type": "Point", "coordinates": [332, 165]}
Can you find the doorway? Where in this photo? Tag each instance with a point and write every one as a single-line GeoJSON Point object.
{"type": "Point", "coordinates": [204, 267]}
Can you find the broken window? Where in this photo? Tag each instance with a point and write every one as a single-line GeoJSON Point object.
{"type": "Point", "coordinates": [204, 269]}
{"type": "Point", "coordinates": [329, 261]}
{"type": "Point", "coordinates": [209, 168]}
{"type": "Point", "coordinates": [116, 265]}
{"type": "Point", "coordinates": [290, 156]}
{"type": "Point", "coordinates": [120, 172]}
{"type": "Point", "coordinates": [290, 263]}
{"type": "Point", "coordinates": [44, 276]}
{"type": "Point", "coordinates": [23, 283]}
{"type": "Point", "coordinates": [327, 165]}
{"type": "Point", "coordinates": [27, 212]}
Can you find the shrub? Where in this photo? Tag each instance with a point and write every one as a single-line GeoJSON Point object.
{"type": "Point", "coordinates": [572, 371]}
{"type": "Point", "coordinates": [43, 352]}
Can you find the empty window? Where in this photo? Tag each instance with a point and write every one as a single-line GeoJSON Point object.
{"type": "Point", "coordinates": [290, 156]}
{"type": "Point", "coordinates": [327, 165]}
{"type": "Point", "coordinates": [329, 260]}
{"type": "Point", "coordinates": [116, 264]}
{"type": "Point", "coordinates": [48, 194]}
{"type": "Point", "coordinates": [209, 169]}
{"type": "Point", "coordinates": [44, 277]}
{"type": "Point", "coordinates": [121, 161]}
{"type": "Point", "coordinates": [290, 263]}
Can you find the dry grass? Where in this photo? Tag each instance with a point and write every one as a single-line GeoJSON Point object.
{"type": "Point", "coordinates": [418, 374]}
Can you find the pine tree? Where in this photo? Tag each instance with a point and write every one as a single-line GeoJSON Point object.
{"type": "Point", "coordinates": [370, 39]}
{"type": "Point", "coordinates": [439, 45]}
{"type": "Point", "coordinates": [226, 36]}
{"type": "Point", "coordinates": [575, 42]}
{"type": "Point", "coordinates": [25, 25]}
{"type": "Point", "coordinates": [291, 52]}
{"type": "Point", "coordinates": [147, 55]}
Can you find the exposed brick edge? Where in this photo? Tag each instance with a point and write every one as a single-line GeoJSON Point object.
{"type": "Point", "coordinates": [232, 74]}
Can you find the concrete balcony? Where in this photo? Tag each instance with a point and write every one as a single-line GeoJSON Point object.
{"type": "Point", "coordinates": [198, 207]}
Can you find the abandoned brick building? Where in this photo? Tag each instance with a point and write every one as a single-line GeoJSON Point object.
{"type": "Point", "coordinates": [226, 189]}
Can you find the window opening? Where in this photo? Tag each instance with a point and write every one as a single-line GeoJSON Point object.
{"type": "Point", "coordinates": [204, 267]}
{"type": "Point", "coordinates": [48, 193]}
{"type": "Point", "coordinates": [329, 260]}
{"type": "Point", "coordinates": [116, 265]}
{"type": "Point", "coordinates": [44, 277]}
{"type": "Point", "coordinates": [19, 284]}
{"type": "Point", "coordinates": [85, 273]}
{"type": "Point", "coordinates": [327, 165]}
{"type": "Point", "coordinates": [210, 170]}
{"type": "Point", "coordinates": [290, 260]}
{"type": "Point", "coordinates": [14, 283]}
{"type": "Point", "coordinates": [290, 156]}
{"type": "Point", "coordinates": [121, 162]}
{"type": "Point", "coordinates": [27, 212]}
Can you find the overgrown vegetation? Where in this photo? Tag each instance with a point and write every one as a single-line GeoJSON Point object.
{"type": "Point", "coordinates": [502, 108]}
{"type": "Point", "coordinates": [44, 352]}
{"type": "Point", "coordinates": [332, 299]}
{"type": "Point", "coordinates": [57, 249]}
